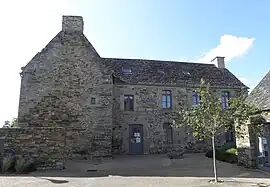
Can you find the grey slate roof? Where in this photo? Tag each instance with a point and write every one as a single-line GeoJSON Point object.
{"type": "Point", "coordinates": [171, 73]}
{"type": "Point", "coordinates": [260, 96]}
{"type": "Point", "coordinates": [150, 72]}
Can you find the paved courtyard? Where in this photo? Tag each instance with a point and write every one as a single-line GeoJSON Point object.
{"type": "Point", "coordinates": [152, 170]}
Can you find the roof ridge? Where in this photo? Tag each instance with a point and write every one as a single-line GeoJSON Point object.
{"type": "Point", "coordinates": [152, 60]}
{"type": "Point", "coordinates": [260, 95]}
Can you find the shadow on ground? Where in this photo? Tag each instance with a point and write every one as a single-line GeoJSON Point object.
{"type": "Point", "coordinates": [54, 181]}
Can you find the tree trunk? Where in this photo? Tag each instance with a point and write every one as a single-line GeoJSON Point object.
{"type": "Point", "coordinates": [214, 158]}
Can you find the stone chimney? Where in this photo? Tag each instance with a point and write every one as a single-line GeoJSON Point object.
{"type": "Point", "coordinates": [219, 62]}
{"type": "Point", "coordinates": [72, 24]}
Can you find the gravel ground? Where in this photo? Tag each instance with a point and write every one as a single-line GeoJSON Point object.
{"type": "Point", "coordinates": [133, 171]}
{"type": "Point", "coordinates": [117, 181]}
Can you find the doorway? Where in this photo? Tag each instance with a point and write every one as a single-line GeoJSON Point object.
{"type": "Point", "coordinates": [135, 139]}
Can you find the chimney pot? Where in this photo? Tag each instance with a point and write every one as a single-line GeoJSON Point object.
{"type": "Point", "coordinates": [219, 62]}
{"type": "Point", "coordinates": [72, 24]}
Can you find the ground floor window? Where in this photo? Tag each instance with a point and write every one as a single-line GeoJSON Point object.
{"type": "Point", "coordinates": [167, 127]}
{"type": "Point", "coordinates": [229, 136]}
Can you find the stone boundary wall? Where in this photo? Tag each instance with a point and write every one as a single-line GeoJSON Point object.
{"type": "Point", "coordinates": [45, 144]}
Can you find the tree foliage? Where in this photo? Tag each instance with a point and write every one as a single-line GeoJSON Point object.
{"type": "Point", "coordinates": [208, 119]}
{"type": "Point", "coordinates": [14, 122]}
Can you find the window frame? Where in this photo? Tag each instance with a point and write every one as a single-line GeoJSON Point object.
{"type": "Point", "coordinates": [196, 97]}
{"type": "Point", "coordinates": [93, 99]}
{"type": "Point", "coordinates": [229, 136]}
{"type": "Point", "coordinates": [127, 105]}
{"type": "Point", "coordinates": [168, 102]}
{"type": "Point", "coordinates": [126, 70]}
{"type": "Point", "coordinates": [225, 97]}
{"type": "Point", "coordinates": [168, 130]}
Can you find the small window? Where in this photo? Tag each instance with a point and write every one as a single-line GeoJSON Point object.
{"type": "Point", "coordinates": [166, 99]}
{"type": "Point", "coordinates": [126, 70]}
{"type": "Point", "coordinates": [186, 73]}
{"type": "Point", "coordinates": [93, 100]}
{"type": "Point", "coordinates": [167, 127]}
{"type": "Point", "coordinates": [196, 98]}
{"type": "Point", "coordinates": [129, 102]}
{"type": "Point", "coordinates": [225, 96]}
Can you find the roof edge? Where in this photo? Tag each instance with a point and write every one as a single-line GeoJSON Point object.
{"type": "Point", "coordinates": [153, 60]}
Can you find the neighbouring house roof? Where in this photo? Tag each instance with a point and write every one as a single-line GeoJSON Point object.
{"type": "Point", "coordinates": [260, 96]}
{"type": "Point", "coordinates": [170, 73]}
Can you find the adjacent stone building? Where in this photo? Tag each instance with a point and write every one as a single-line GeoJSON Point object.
{"type": "Point", "coordinates": [111, 105]}
{"type": "Point", "coordinates": [254, 151]}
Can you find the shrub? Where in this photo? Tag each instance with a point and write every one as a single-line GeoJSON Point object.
{"type": "Point", "coordinates": [19, 164]}
{"type": "Point", "coordinates": [8, 164]}
{"type": "Point", "coordinates": [226, 155]}
{"type": "Point", "coordinates": [232, 151]}
{"type": "Point", "coordinates": [23, 165]}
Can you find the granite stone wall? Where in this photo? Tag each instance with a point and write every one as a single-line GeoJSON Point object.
{"type": "Point", "coordinates": [45, 144]}
{"type": "Point", "coordinates": [149, 113]}
{"type": "Point", "coordinates": [246, 148]}
{"type": "Point", "coordinates": [248, 145]}
{"type": "Point", "coordinates": [66, 85]}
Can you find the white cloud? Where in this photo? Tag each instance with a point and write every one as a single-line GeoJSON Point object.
{"type": "Point", "coordinates": [230, 47]}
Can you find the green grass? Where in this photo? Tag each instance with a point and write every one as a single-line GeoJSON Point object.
{"type": "Point", "coordinates": [232, 151]}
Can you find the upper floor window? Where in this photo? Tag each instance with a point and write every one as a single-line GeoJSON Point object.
{"type": "Point", "coordinates": [129, 102]}
{"type": "Point", "coordinates": [196, 98]}
{"type": "Point", "coordinates": [93, 100]}
{"type": "Point", "coordinates": [166, 99]}
{"type": "Point", "coordinates": [126, 70]}
{"type": "Point", "coordinates": [167, 127]}
{"type": "Point", "coordinates": [225, 96]}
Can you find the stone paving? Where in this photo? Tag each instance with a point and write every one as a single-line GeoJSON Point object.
{"type": "Point", "coordinates": [155, 170]}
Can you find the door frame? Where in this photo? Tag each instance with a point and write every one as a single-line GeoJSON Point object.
{"type": "Point", "coordinates": [142, 139]}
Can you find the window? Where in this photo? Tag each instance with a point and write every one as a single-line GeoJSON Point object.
{"type": "Point", "coordinates": [128, 102]}
{"type": "Point", "coordinates": [166, 99]}
{"type": "Point", "coordinates": [93, 100]}
{"type": "Point", "coordinates": [167, 127]}
{"type": "Point", "coordinates": [126, 70]}
{"type": "Point", "coordinates": [196, 98]}
{"type": "Point", "coordinates": [186, 73]}
{"type": "Point", "coordinates": [225, 99]}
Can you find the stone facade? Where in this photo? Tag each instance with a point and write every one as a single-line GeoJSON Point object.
{"type": "Point", "coordinates": [148, 111]}
{"type": "Point", "coordinates": [57, 86]}
{"type": "Point", "coordinates": [248, 146]}
{"type": "Point", "coordinates": [69, 85]}
{"type": "Point", "coordinates": [45, 144]}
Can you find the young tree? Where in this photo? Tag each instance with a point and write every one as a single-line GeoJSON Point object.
{"type": "Point", "coordinates": [209, 118]}
{"type": "Point", "coordinates": [14, 122]}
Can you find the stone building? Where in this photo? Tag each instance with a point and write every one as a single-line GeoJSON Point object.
{"type": "Point", "coordinates": [111, 105]}
{"type": "Point", "coordinates": [256, 150]}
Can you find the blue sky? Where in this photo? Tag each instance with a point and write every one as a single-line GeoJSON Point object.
{"type": "Point", "coordinates": [181, 30]}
